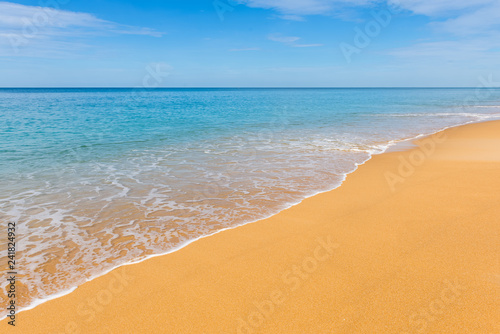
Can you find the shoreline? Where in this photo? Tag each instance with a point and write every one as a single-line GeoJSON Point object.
{"type": "Point", "coordinates": [398, 145]}
{"type": "Point", "coordinates": [184, 246]}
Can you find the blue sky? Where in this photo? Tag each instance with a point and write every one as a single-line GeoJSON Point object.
{"type": "Point", "coordinates": [249, 43]}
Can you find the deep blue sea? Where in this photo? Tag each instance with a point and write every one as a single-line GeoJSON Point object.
{"type": "Point", "coordinates": [96, 178]}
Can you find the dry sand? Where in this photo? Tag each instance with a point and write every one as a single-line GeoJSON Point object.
{"type": "Point", "coordinates": [408, 244]}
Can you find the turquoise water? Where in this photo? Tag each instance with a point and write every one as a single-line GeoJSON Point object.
{"type": "Point", "coordinates": [99, 177]}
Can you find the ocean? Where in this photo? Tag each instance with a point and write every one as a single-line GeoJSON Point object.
{"type": "Point", "coordinates": [97, 178]}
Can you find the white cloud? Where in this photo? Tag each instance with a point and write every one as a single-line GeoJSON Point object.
{"type": "Point", "coordinates": [440, 7]}
{"type": "Point", "coordinates": [292, 9]}
{"type": "Point", "coordinates": [244, 49]}
{"type": "Point", "coordinates": [283, 39]}
{"type": "Point", "coordinates": [480, 20]}
{"type": "Point", "coordinates": [24, 26]}
{"type": "Point", "coordinates": [297, 8]}
{"type": "Point", "coordinates": [459, 17]}
{"type": "Point", "coordinates": [472, 26]}
{"type": "Point", "coordinates": [290, 41]}
{"type": "Point", "coordinates": [476, 52]}
{"type": "Point", "coordinates": [307, 45]}
{"type": "Point", "coordinates": [455, 16]}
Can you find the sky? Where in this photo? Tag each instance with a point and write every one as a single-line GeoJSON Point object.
{"type": "Point", "coordinates": [249, 43]}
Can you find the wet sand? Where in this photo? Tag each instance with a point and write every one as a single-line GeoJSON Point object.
{"type": "Point", "coordinates": [410, 243]}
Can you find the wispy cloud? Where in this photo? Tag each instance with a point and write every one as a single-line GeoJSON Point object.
{"type": "Point", "coordinates": [454, 16]}
{"type": "Point", "coordinates": [473, 21]}
{"type": "Point", "coordinates": [482, 52]}
{"type": "Point", "coordinates": [20, 16]}
{"type": "Point", "coordinates": [435, 8]}
{"type": "Point", "coordinates": [472, 29]}
{"type": "Point", "coordinates": [244, 49]}
{"type": "Point", "coordinates": [307, 45]}
{"type": "Point", "coordinates": [467, 29]}
{"type": "Point", "coordinates": [290, 41]}
{"type": "Point", "coordinates": [282, 39]}
{"type": "Point", "coordinates": [24, 26]}
{"type": "Point", "coordinates": [295, 9]}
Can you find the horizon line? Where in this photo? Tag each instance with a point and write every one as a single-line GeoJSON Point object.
{"type": "Point", "coordinates": [245, 87]}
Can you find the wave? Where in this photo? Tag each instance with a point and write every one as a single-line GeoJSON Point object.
{"type": "Point", "coordinates": [430, 115]}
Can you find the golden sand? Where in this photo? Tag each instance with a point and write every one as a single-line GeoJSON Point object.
{"type": "Point", "coordinates": [408, 244]}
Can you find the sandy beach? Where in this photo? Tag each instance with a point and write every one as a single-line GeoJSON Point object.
{"type": "Point", "coordinates": [409, 243]}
